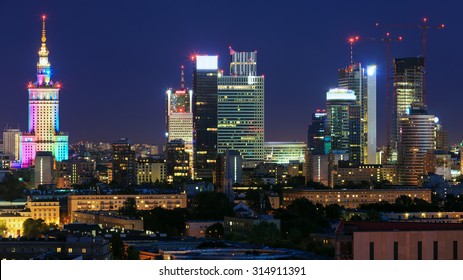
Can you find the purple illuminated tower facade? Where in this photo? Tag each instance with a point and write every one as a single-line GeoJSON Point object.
{"type": "Point", "coordinates": [43, 134]}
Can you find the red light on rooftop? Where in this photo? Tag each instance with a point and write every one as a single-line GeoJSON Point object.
{"type": "Point", "coordinates": [425, 19]}
{"type": "Point", "coordinates": [400, 38]}
{"type": "Point", "coordinates": [387, 34]}
{"type": "Point", "coordinates": [44, 17]}
{"type": "Point", "coordinates": [442, 25]}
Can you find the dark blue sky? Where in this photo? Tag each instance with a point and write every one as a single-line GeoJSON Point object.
{"type": "Point", "coordinates": [117, 58]}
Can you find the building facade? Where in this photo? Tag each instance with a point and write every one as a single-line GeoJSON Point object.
{"type": "Point", "coordinates": [44, 133]}
{"type": "Point", "coordinates": [417, 136]}
{"type": "Point", "coordinates": [338, 104]}
{"type": "Point", "coordinates": [407, 89]}
{"type": "Point", "coordinates": [352, 198]}
{"type": "Point", "coordinates": [284, 152]}
{"type": "Point", "coordinates": [399, 241]}
{"type": "Point", "coordinates": [240, 109]}
{"type": "Point", "coordinates": [114, 202]}
{"type": "Point", "coordinates": [205, 116]}
{"type": "Point", "coordinates": [150, 170]}
{"type": "Point", "coordinates": [124, 169]}
{"type": "Point", "coordinates": [11, 143]}
{"type": "Point", "coordinates": [363, 83]}
{"type": "Point", "coordinates": [179, 116]}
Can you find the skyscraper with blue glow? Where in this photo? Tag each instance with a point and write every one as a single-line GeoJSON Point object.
{"type": "Point", "coordinates": [43, 134]}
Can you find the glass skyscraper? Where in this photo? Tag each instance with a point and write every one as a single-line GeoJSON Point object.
{"type": "Point", "coordinates": [417, 136]}
{"type": "Point", "coordinates": [338, 108]}
{"type": "Point", "coordinates": [363, 83]}
{"type": "Point", "coordinates": [408, 88]}
{"type": "Point", "coordinates": [240, 109]}
{"type": "Point", "coordinates": [205, 116]}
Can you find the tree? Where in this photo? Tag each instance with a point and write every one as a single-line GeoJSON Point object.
{"type": "Point", "coordinates": [129, 208]}
{"type": "Point", "coordinates": [333, 211]}
{"type": "Point", "coordinates": [171, 222]}
{"type": "Point", "coordinates": [133, 253]}
{"type": "Point", "coordinates": [215, 231]}
{"type": "Point", "coordinates": [264, 233]}
{"type": "Point", "coordinates": [211, 206]}
{"type": "Point", "coordinates": [117, 247]}
{"type": "Point", "coordinates": [403, 203]}
{"type": "Point", "coordinates": [3, 227]}
{"type": "Point", "coordinates": [34, 228]}
{"type": "Point", "coordinates": [12, 189]}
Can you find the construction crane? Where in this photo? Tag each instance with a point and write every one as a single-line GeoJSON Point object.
{"type": "Point", "coordinates": [387, 39]}
{"type": "Point", "coordinates": [424, 27]}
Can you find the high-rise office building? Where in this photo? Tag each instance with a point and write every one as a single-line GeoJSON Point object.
{"type": "Point", "coordinates": [240, 109]}
{"type": "Point", "coordinates": [317, 138]}
{"type": "Point", "coordinates": [417, 136]}
{"type": "Point", "coordinates": [205, 116]}
{"type": "Point", "coordinates": [44, 134]}
{"type": "Point", "coordinates": [177, 162]}
{"type": "Point", "coordinates": [338, 104]}
{"type": "Point", "coordinates": [124, 169]}
{"type": "Point", "coordinates": [363, 83]}
{"type": "Point", "coordinates": [43, 169]}
{"type": "Point", "coordinates": [11, 143]}
{"type": "Point", "coordinates": [179, 119]}
{"type": "Point", "coordinates": [442, 138]}
{"type": "Point", "coordinates": [407, 89]}
{"type": "Point", "coordinates": [233, 172]}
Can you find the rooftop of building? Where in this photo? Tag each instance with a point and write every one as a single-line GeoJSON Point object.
{"type": "Point", "coordinates": [364, 226]}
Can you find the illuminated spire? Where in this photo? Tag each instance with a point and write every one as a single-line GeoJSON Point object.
{"type": "Point", "coordinates": [182, 80]}
{"type": "Point", "coordinates": [43, 66]}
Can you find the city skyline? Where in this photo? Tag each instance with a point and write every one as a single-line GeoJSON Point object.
{"type": "Point", "coordinates": [93, 63]}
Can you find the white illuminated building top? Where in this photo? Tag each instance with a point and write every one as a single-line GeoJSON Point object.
{"type": "Point", "coordinates": [340, 94]}
{"type": "Point", "coordinates": [207, 62]}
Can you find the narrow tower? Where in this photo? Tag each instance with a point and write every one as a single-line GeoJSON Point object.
{"type": "Point", "coordinates": [43, 134]}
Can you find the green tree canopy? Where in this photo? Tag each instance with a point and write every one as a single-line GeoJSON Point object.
{"type": "Point", "coordinates": [264, 233]}
{"type": "Point", "coordinates": [35, 228]}
{"type": "Point", "coordinates": [211, 206]}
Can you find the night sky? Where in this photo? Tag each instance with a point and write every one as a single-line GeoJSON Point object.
{"type": "Point", "coordinates": [115, 59]}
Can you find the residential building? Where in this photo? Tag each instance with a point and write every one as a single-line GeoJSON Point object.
{"type": "Point", "coordinates": [352, 198]}
{"type": "Point", "coordinates": [114, 202]}
{"type": "Point", "coordinates": [150, 170]}
{"type": "Point", "coordinates": [123, 162]}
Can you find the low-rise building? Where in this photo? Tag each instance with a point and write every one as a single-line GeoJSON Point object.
{"type": "Point", "coordinates": [241, 226]}
{"type": "Point", "coordinates": [399, 241]}
{"type": "Point", "coordinates": [13, 214]}
{"type": "Point", "coordinates": [370, 173]}
{"type": "Point", "coordinates": [108, 219]}
{"type": "Point", "coordinates": [114, 202]}
{"type": "Point", "coordinates": [89, 248]}
{"type": "Point", "coordinates": [197, 228]}
{"type": "Point", "coordinates": [424, 217]}
{"type": "Point", "coordinates": [352, 198]}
